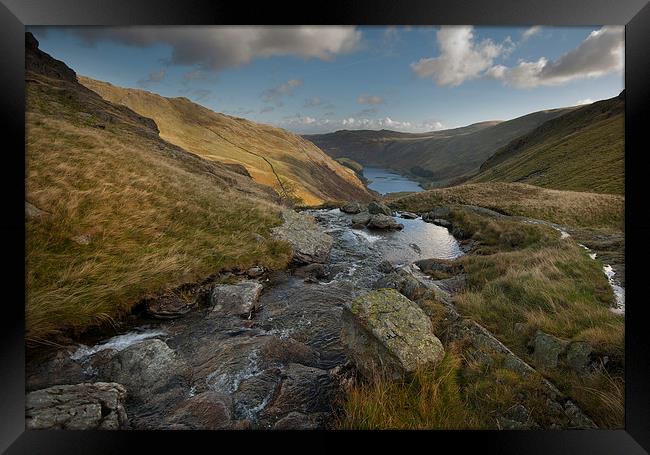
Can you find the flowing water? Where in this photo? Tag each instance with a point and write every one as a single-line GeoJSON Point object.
{"type": "Point", "coordinates": [385, 181]}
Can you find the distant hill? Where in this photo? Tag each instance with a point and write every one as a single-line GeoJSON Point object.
{"type": "Point", "coordinates": [272, 156]}
{"type": "Point", "coordinates": [114, 212]}
{"type": "Point", "coordinates": [581, 150]}
{"type": "Point", "coordinates": [439, 157]}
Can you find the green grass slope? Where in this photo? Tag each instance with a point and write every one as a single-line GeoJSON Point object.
{"type": "Point", "coordinates": [439, 157]}
{"type": "Point", "coordinates": [582, 150]}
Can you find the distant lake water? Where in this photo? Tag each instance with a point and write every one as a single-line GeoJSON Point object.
{"type": "Point", "coordinates": [386, 181]}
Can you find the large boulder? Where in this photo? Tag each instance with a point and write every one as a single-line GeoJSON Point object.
{"type": "Point", "coordinates": [386, 332]}
{"type": "Point", "coordinates": [308, 241]}
{"type": "Point", "coordinates": [352, 207]}
{"type": "Point", "coordinates": [360, 220]}
{"type": "Point", "coordinates": [85, 406]}
{"type": "Point", "coordinates": [239, 299]}
{"type": "Point", "coordinates": [146, 369]}
{"type": "Point", "coordinates": [380, 221]}
{"type": "Point", "coordinates": [375, 208]}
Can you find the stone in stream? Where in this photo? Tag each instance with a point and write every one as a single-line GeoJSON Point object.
{"type": "Point", "coordinates": [147, 369]}
{"type": "Point", "coordinates": [167, 306]}
{"type": "Point", "coordinates": [86, 406]}
{"type": "Point", "coordinates": [308, 242]}
{"type": "Point", "coordinates": [408, 215]}
{"type": "Point", "coordinates": [380, 221]}
{"type": "Point", "coordinates": [239, 299]}
{"type": "Point", "coordinates": [352, 208]}
{"type": "Point", "coordinates": [441, 222]}
{"type": "Point", "coordinates": [434, 266]}
{"type": "Point", "coordinates": [360, 220]}
{"type": "Point", "coordinates": [205, 411]}
{"type": "Point", "coordinates": [385, 267]}
{"type": "Point", "coordinates": [385, 331]}
{"type": "Point", "coordinates": [375, 208]}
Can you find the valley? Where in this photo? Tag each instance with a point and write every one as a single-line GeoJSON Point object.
{"type": "Point", "coordinates": [188, 269]}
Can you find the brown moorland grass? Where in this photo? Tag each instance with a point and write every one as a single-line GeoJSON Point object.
{"type": "Point", "coordinates": [571, 208]}
{"type": "Point", "coordinates": [273, 156]}
{"type": "Point", "coordinates": [127, 213]}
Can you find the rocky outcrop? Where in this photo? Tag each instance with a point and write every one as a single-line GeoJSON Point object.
{"type": "Point", "coordinates": [551, 352]}
{"type": "Point", "coordinates": [239, 299]}
{"type": "Point", "coordinates": [85, 406]}
{"type": "Point", "coordinates": [308, 241]}
{"type": "Point", "coordinates": [375, 208]}
{"type": "Point", "coordinates": [383, 222]}
{"type": "Point", "coordinates": [352, 207]}
{"type": "Point", "coordinates": [384, 331]}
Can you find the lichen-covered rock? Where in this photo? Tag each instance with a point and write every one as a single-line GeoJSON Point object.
{"type": "Point", "coordinates": [546, 349]}
{"type": "Point", "coordinates": [578, 355]}
{"type": "Point", "coordinates": [239, 299]}
{"type": "Point", "coordinates": [308, 241]}
{"type": "Point", "coordinates": [380, 221]}
{"type": "Point", "coordinates": [86, 406]}
{"type": "Point", "coordinates": [375, 208]}
{"type": "Point", "coordinates": [352, 207]}
{"type": "Point", "coordinates": [385, 331]}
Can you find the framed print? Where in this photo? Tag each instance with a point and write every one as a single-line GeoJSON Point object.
{"type": "Point", "coordinates": [426, 220]}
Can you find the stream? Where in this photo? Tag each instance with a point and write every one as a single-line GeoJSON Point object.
{"type": "Point", "coordinates": [277, 368]}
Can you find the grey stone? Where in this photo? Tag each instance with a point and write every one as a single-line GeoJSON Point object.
{"type": "Point", "coordinates": [239, 299]}
{"type": "Point", "coordinates": [34, 213]}
{"type": "Point", "coordinates": [308, 242]}
{"type": "Point", "coordinates": [408, 215]}
{"type": "Point", "coordinates": [546, 349]}
{"type": "Point", "coordinates": [441, 222]}
{"type": "Point", "coordinates": [385, 267]}
{"type": "Point", "coordinates": [205, 411]}
{"type": "Point", "coordinates": [352, 207]}
{"type": "Point", "coordinates": [403, 282]}
{"type": "Point", "coordinates": [578, 355]}
{"type": "Point", "coordinates": [360, 219]}
{"type": "Point", "coordinates": [85, 406]}
{"type": "Point", "coordinates": [375, 208]}
{"type": "Point", "coordinates": [384, 331]}
{"type": "Point", "coordinates": [168, 306]}
{"type": "Point", "coordinates": [255, 272]}
{"type": "Point", "coordinates": [436, 213]}
{"type": "Point", "coordinates": [380, 221]}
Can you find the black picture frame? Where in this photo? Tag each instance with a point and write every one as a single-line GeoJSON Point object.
{"type": "Point", "coordinates": [634, 14]}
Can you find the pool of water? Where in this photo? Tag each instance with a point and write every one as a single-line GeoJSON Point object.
{"type": "Point", "coordinates": [386, 181]}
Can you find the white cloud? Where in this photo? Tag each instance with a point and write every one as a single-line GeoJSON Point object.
{"type": "Point", "coordinates": [219, 47]}
{"type": "Point", "coordinates": [370, 99]}
{"type": "Point", "coordinates": [275, 94]}
{"type": "Point", "coordinates": [601, 53]}
{"type": "Point", "coordinates": [532, 31]}
{"type": "Point", "coordinates": [461, 56]}
{"type": "Point", "coordinates": [585, 101]}
{"type": "Point", "coordinates": [306, 125]}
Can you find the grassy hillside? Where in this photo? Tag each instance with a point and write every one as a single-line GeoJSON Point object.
{"type": "Point", "coordinates": [439, 157]}
{"type": "Point", "coordinates": [273, 156]}
{"type": "Point", "coordinates": [570, 208]}
{"type": "Point", "coordinates": [116, 212]}
{"type": "Point", "coordinates": [582, 150]}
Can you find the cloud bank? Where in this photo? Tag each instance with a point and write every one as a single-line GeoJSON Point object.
{"type": "Point", "coordinates": [217, 47]}
{"type": "Point", "coordinates": [308, 125]}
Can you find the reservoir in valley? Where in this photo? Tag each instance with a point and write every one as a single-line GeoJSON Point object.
{"type": "Point", "coordinates": [388, 181]}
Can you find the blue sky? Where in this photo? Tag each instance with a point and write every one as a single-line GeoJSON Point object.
{"type": "Point", "coordinates": [321, 79]}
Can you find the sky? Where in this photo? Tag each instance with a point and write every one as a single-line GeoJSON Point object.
{"type": "Point", "coordinates": [323, 79]}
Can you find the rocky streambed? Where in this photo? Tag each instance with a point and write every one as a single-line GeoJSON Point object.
{"type": "Point", "coordinates": [276, 350]}
{"type": "Point", "coordinates": [262, 350]}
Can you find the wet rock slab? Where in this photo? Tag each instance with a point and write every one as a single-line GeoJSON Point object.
{"type": "Point", "coordinates": [239, 299]}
